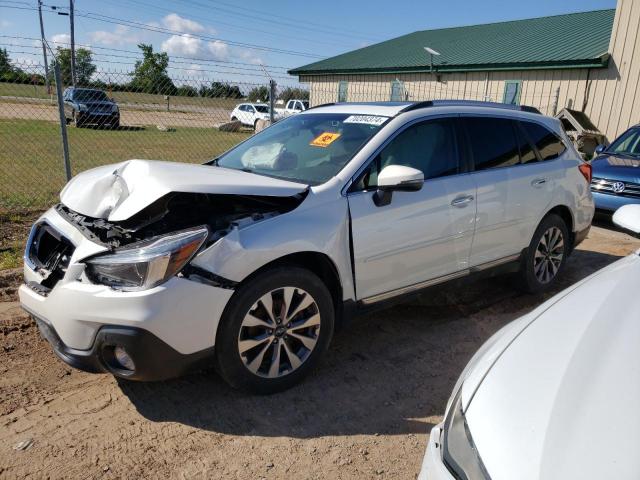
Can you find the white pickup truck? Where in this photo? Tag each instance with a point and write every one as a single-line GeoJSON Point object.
{"type": "Point", "coordinates": [293, 106]}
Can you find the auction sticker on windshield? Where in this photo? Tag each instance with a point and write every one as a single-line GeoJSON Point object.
{"type": "Point", "coordinates": [366, 119]}
{"type": "Point", "coordinates": [324, 139]}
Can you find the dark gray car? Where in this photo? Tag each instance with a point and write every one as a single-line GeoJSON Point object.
{"type": "Point", "coordinates": [89, 106]}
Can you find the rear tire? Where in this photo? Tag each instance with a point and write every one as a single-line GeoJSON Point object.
{"type": "Point", "coordinates": [546, 256]}
{"type": "Point", "coordinates": [76, 122]}
{"type": "Point", "coordinates": [274, 330]}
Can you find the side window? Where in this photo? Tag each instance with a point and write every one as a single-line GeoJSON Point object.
{"type": "Point", "coordinates": [492, 141]}
{"type": "Point", "coordinates": [397, 91]}
{"type": "Point", "coordinates": [298, 106]}
{"type": "Point", "coordinates": [547, 143]}
{"type": "Point", "coordinates": [342, 91]}
{"type": "Point", "coordinates": [290, 105]}
{"type": "Point", "coordinates": [527, 153]}
{"type": "Point", "coordinates": [428, 146]}
{"type": "Point", "coordinates": [250, 109]}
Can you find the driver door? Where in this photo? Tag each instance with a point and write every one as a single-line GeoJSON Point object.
{"type": "Point", "coordinates": [421, 235]}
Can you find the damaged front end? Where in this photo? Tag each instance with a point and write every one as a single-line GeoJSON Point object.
{"type": "Point", "coordinates": [159, 241]}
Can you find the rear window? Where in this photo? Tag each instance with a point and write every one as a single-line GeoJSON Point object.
{"type": "Point", "coordinates": [493, 143]}
{"type": "Point", "coordinates": [547, 143]}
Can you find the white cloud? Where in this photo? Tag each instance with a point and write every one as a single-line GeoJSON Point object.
{"type": "Point", "coordinates": [120, 36]}
{"type": "Point", "coordinates": [218, 50]}
{"type": "Point", "coordinates": [184, 45]}
{"type": "Point", "coordinates": [249, 57]}
{"type": "Point", "coordinates": [174, 21]}
{"type": "Point", "coordinates": [62, 39]}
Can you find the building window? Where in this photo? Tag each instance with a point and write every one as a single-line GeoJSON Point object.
{"type": "Point", "coordinates": [397, 91]}
{"type": "Point", "coordinates": [342, 91]}
{"type": "Point", "coordinates": [512, 92]}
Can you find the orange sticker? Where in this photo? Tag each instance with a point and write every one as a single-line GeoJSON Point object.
{"type": "Point", "coordinates": [324, 139]}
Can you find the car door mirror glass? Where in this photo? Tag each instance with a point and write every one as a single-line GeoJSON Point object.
{"type": "Point", "coordinates": [628, 218]}
{"type": "Point", "coordinates": [600, 148]}
{"type": "Point", "coordinates": [397, 178]}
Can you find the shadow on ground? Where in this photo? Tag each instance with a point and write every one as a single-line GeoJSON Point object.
{"type": "Point", "coordinates": [388, 373]}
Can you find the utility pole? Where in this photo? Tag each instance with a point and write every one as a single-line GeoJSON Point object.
{"type": "Point", "coordinates": [73, 45]}
{"type": "Point", "coordinates": [44, 49]}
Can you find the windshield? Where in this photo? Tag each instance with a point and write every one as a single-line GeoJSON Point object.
{"type": "Point", "coordinates": [90, 96]}
{"type": "Point", "coordinates": [262, 108]}
{"type": "Point", "coordinates": [627, 144]}
{"type": "Point", "coordinates": [309, 148]}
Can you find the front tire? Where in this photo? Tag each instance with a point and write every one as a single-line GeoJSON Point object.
{"type": "Point", "coordinates": [546, 256]}
{"type": "Point", "coordinates": [274, 330]}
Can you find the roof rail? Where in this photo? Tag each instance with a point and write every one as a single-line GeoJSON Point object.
{"type": "Point", "coordinates": [468, 103]}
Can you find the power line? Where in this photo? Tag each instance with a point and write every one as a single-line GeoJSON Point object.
{"type": "Point", "coordinates": [252, 29]}
{"type": "Point", "coordinates": [141, 26]}
{"type": "Point", "coordinates": [268, 17]}
{"type": "Point", "coordinates": [172, 57]}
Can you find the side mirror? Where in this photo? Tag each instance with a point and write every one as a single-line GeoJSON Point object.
{"type": "Point", "coordinates": [628, 218]}
{"type": "Point", "coordinates": [600, 148]}
{"type": "Point", "coordinates": [397, 177]}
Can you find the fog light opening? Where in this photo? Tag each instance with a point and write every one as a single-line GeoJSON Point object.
{"type": "Point", "coordinates": [122, 357]}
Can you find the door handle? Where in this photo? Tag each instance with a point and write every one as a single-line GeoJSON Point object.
{"type": "Point", "coordinates": [462, 201]}
{"type": "Point", "coordinates": [538, 182]}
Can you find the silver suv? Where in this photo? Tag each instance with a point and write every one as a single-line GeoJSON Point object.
{"type": "Point", "coordinates": [147, 269]}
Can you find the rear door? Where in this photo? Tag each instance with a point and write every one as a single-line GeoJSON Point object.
{"type": "Point", "coordinates": [513, 187]}
{"type": "Point", "coordinates": [420, 235]}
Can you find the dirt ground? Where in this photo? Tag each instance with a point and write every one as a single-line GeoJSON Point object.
{"type": "Point", "coordinates": [365, 413]}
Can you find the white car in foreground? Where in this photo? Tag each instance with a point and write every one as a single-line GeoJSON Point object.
{"type": "Point", "coordinates": [249, 113]}
{"type": "Point", "coordinates": [554, 394]}
{"type": "Point", "coordinates": [149, 268]}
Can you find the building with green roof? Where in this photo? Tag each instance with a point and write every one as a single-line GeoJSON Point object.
{"type": "Point", "coordinates": [576, 61]}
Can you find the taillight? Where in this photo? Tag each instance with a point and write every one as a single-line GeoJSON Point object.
{"type": "Point", "coordinates": [586, 171]}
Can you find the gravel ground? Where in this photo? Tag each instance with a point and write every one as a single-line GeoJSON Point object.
{"type": "Point", "coordinates": [365, 413]}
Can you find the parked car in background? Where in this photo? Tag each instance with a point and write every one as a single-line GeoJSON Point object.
{"type": "Point", "coordinates": [147, 269]}
{"type": "Point", "coordinates": [554, 394]}
{"type": "Point", "coordinates": [293, 106]}
{"type": "Point", "coordinates": [90, 106]}
{"type": "Point", "coordinates": [616, 172]}
{"type": "Point", "coordinates": [249, 113]}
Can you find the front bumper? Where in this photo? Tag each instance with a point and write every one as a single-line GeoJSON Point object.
{"type": "Point", "coordinates": [98, 118]}
{"type": "Point", "coordinates": [433, 468]}
{"type": "Point", "coordinates": [153, 358]}
{"type": "Point", "coordinates": [610, 203]}
{"type": "Point", "coordinates": [179, 317]}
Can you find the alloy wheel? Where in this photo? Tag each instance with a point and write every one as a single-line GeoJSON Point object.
{"type": "Point", "coordinates": [549, 255]}
{"type": "Point", "coordinates": [279, 332]}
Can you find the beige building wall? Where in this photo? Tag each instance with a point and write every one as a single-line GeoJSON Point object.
{"type": "Point", "coordinates": [609, 96]}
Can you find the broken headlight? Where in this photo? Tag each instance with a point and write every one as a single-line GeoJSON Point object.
{"type": "Point", "coordinates": [148, 263]}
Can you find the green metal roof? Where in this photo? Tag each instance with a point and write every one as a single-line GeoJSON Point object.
{"type": "Point", "coordinates": [574, 40]}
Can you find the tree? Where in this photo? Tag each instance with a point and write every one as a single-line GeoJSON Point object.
{"type": "Point", "coordinates": [5, 62]}
{"type": "Point", "coordinates": [258, 94]}
{"type": "Point", "coordinates": [85, 67]}
{"type": "Point", "coordinates": [220, 90]}
{"type": "Point", "coordinates": [150, 73]}
{"type": "Point", "coordinates": [293, 93]}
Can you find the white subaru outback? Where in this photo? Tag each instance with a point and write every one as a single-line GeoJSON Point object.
{"type": "Point", "coordinates": [148, 269]}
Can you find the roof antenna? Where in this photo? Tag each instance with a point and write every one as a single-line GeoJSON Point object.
{"type": "Point", "coordinates": [431, 53]}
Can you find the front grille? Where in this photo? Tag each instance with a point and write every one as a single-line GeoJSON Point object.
{"type": "Point", "coordinates": [48, 252]}
{"type": "Point", "coordinates": [604, 185]}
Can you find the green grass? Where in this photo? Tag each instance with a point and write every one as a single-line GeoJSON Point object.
{"type": "Point", "coordinates": [31, 161]}
{"type": "Point", "coordinates": [40, 91]}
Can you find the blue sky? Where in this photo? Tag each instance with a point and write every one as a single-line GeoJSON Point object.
{"type": "Point", "coordinates": [229, 40]}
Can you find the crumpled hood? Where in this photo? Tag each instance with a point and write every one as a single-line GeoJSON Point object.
{"type": "Point", "coordinates": [562, 400]}
{"type": "Point", "coordinates": [117, 192]}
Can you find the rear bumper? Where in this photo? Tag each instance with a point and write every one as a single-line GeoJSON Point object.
{"type": "Point", "coordinates": [611, 203]}
{"type": "Point", "coordinates": [153, 358]}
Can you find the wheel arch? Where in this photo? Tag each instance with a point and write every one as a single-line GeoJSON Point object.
{"type": "Point", "coordinates": [317, 263]}
{"type": "Point", "coordinates": [565, 213]}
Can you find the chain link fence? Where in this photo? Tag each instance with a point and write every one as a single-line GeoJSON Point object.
{"type": "Point", "coordinates": [114, 116]}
